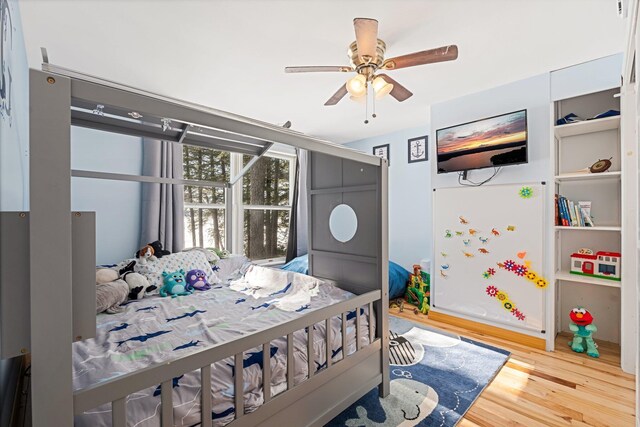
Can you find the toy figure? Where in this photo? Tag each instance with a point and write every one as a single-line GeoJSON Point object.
{"type": "Point", "coordinates": [174, 284]}
{"type": "Point", "coordinates": [418, 292]}
{"type": "Point", "coordinates": [583, 328]}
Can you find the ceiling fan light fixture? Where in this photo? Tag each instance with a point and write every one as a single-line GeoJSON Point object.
{"type": "Point", "coordinates": [357, 86]}
{"type": "Point", "coordinates": [381, 87]}
{"type": "Point", "coordinates": [359, 99]}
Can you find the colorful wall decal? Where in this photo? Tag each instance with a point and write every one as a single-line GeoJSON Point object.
{"type": "Point", "coordinates": [483, 251]}
{"type": "Point", "coordinates": [504, 300]}
{"type": "Point", "coordinates": [447, 234]}
{"type": "Point", "coordinates": [495, 232]}
{"type": "Point", "coordinates": [473, 231]}
{"type": "Point", "coordinates": [444, 266]}
{"type": "Point", "coordinates": [526, 192]}
{"type": "Point", "coordinates": [511, 228]}
{"type": "Point", "coordinates": [467, 254]}
{"type": "Point", "coordinates": [444, 254]}
{"type": "Point", "coordinates": [466, 242]}
{"type": "Point", "coordinates": [483, 240]}
{"type": "Point", "coordinates": [442, 274]}
{"type": "Point", "coordinates": [463, 221]}
{"type": "Point", "coordinates": [522, 254]}
{"type": "Point", "coordinates": [459, 233]}
{"type": "Point", "coordinates": [521, 270]}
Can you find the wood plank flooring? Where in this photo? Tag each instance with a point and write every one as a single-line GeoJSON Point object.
{"type": "Point", "coordinates": [539, 388]}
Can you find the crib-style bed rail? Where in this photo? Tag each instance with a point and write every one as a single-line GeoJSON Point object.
{"type": "Point", "coordinates": [117, 389]}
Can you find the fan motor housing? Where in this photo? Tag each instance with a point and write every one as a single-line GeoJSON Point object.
{"type": "Point", "coordinates": [366, 65]}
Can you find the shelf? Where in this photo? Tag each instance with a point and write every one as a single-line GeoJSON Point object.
{"type": "Point", "coordinates": [602, 228]}
{"type": "Point", "coordinates": [568, 277]}
{"type": "Point", "coordinates": [587, 126]}
{"type": "Point", "coordinates": [580, 176]}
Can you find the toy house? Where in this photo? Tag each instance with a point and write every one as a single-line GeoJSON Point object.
{"type": "Point", "coordinates": [601, 264]}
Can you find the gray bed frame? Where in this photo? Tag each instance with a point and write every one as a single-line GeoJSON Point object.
{"type": "Point", "coordinates": [59, 252]}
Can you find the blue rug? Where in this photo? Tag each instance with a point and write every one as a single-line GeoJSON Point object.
{"type": "Point", "coordinates": [435, 378]}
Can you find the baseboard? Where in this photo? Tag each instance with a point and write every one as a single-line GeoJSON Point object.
{"type": "Point", "coordinates": [494, 331]}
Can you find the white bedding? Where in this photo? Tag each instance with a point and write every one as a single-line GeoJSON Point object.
{"type": "Point", "coordinates": [155, 330]}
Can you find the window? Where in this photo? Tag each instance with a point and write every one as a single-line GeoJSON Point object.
{"type": "Point", "coordinates": [204, 206]}
{"type": "Point", "coordinates": [266, 204]}
{"type": "Point", "coordinates": [577, 264]}
{"type": "Point", "coordinates": [261, 208]}
{"type": "Point", "coordinates": [607, 269]}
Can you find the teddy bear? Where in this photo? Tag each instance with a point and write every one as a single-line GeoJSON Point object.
{"type": "Point", "coordinates": [197, 280]}
{"type": "Point", "coordinates": [174, 284]}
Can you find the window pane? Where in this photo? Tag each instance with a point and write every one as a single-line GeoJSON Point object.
{"type": "Point", "coordinates": [207, 195]}
{"type": "Point", "coordinates": [205, 164]}
{"type": "Point", "coordinates": [267, 182]}
{"type": "Point", "coordinates": [265, 233]}
{"type": "Point", "coordinates": [204, 228]}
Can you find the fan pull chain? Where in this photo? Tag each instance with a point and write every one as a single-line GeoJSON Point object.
{"type": "Point", "coordinates": [373, 102]}
{"type": "Point", "coordinates": [366, 103]}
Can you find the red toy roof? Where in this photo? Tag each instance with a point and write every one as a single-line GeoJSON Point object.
{"type": "Point", "coordinates": [585, 256]}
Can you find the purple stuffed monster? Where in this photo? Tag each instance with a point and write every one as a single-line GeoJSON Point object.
{"type": "Point", "coordinates": [197, 279]}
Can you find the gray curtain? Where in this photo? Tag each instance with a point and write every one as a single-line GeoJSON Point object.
{"type": "Point", "coordinates": [162, 204]}
{"type": "Point", "coordinates": [297, 244]}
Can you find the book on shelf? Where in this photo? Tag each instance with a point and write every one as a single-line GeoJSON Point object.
{"type": "Point", "coordinates": [571, 213]}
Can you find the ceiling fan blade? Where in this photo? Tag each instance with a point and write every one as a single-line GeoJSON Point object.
{"type": "Point", "coordinates": [399, 92]}
{"type": "Point", "coordinates": [337, 96]}
{"type": "Point", "coordinates": [318, 68]}
{"type": "Point", "coordinates": [366, 36]}
{"type": "Point", "coordinates": [441, 54]}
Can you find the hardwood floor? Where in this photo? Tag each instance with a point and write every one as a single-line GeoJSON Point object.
{"type": "Point", "coordinates": [538, 389]}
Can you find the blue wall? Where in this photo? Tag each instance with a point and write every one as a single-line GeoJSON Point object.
{"type": "Point", "coordinates": [116, 203]}
{"type": "Point", "coordinates": [14, 128]}
{"type": "Point", "coordinates": [409, 197]}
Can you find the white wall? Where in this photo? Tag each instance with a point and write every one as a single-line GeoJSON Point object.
{"type": "Point", "coordinates": [409, 197]}
{"type": "Point", "coordinates": [117, 203]}
{"type": "Point", "coordinates": [532, 94]}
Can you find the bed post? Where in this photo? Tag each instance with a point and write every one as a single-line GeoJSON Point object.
{"type": "Point", "coordinates": [50, 248]}
{"type": "Point", "coordinates": [382, 306]}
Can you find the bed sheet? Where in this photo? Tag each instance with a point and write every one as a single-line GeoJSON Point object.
{"type": "Point", "coordinates": [155, 330]}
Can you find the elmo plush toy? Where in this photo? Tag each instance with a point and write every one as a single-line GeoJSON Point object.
{"type": "Point", "coordinates": [583, 328]}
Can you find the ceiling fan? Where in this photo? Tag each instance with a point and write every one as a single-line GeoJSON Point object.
{"type": "Point", "coordinates": [366, 55]}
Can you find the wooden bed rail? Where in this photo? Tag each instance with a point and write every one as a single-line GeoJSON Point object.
{"type": "Point", "coordinates": [117, 389]}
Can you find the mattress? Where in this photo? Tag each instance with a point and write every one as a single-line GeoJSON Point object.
{"type": "Point", "coordinates": [155, 330]}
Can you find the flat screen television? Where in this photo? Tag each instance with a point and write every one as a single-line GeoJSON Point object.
{"type": "Point", "coordinates": [491, 142]}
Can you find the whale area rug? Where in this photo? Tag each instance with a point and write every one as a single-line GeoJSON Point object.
{"type": "Point", "coordinates": [435, 378]}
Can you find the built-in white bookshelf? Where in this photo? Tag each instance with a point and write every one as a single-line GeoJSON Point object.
{"type": "Point", "coordinates": [575, 147]}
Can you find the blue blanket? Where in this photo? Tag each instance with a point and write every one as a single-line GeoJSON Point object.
{"type": "Point", "coordinates": [398, 276]}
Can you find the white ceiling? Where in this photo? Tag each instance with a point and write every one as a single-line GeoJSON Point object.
{"type": "Point", "coordinates": [231, 54]}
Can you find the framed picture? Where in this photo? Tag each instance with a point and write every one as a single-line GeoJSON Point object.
{"type": "Point", "coordinates": [418, 149]}
{"type": "Point", "coordinates": [382, 151]}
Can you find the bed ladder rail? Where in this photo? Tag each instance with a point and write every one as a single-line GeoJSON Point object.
{"type": "Point", "coordinates": [118, 389]}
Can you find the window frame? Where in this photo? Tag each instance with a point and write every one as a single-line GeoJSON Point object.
{"type": "Point", "coordinates": [238, 207]}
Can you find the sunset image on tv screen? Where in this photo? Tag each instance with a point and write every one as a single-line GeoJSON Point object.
{"type": "Point", "coordinates": [496, 141]}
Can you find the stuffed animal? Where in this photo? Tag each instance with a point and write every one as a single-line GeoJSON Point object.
{"type": "Point", "coordinates": [110, 295]}
{"type": "Point", "coordinates": [158, 250]}
{"type": "Point", "coordinates": [174, 284]}
{"type": "Point", "coordinates": [129, 268]}
{"type": "Point", "coordinates": [197, 280]}
{"type": "Point", "coordinates": [138, 285]}
{"type": "Point", "coordinates": [106, 275]}
{"type": "Point", "coordinates": [146, 254]}
{"type": "Point", "coordinates": [583, 328]}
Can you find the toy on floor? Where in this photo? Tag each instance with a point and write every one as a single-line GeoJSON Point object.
{"type": "Point", "coordinates": [174, 284]}
{"type": "Point", "coordinates": [197, 280]}
{"type": "Point", "coordinates": [418, 292]}
{"type": "Point", "coordinates": [583, 328]}
{"type": "Point", "coordinates": [146, 254]}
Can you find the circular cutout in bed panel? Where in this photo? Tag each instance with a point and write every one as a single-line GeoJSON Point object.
{"type": "Point", "coordinates": [343, 223]}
